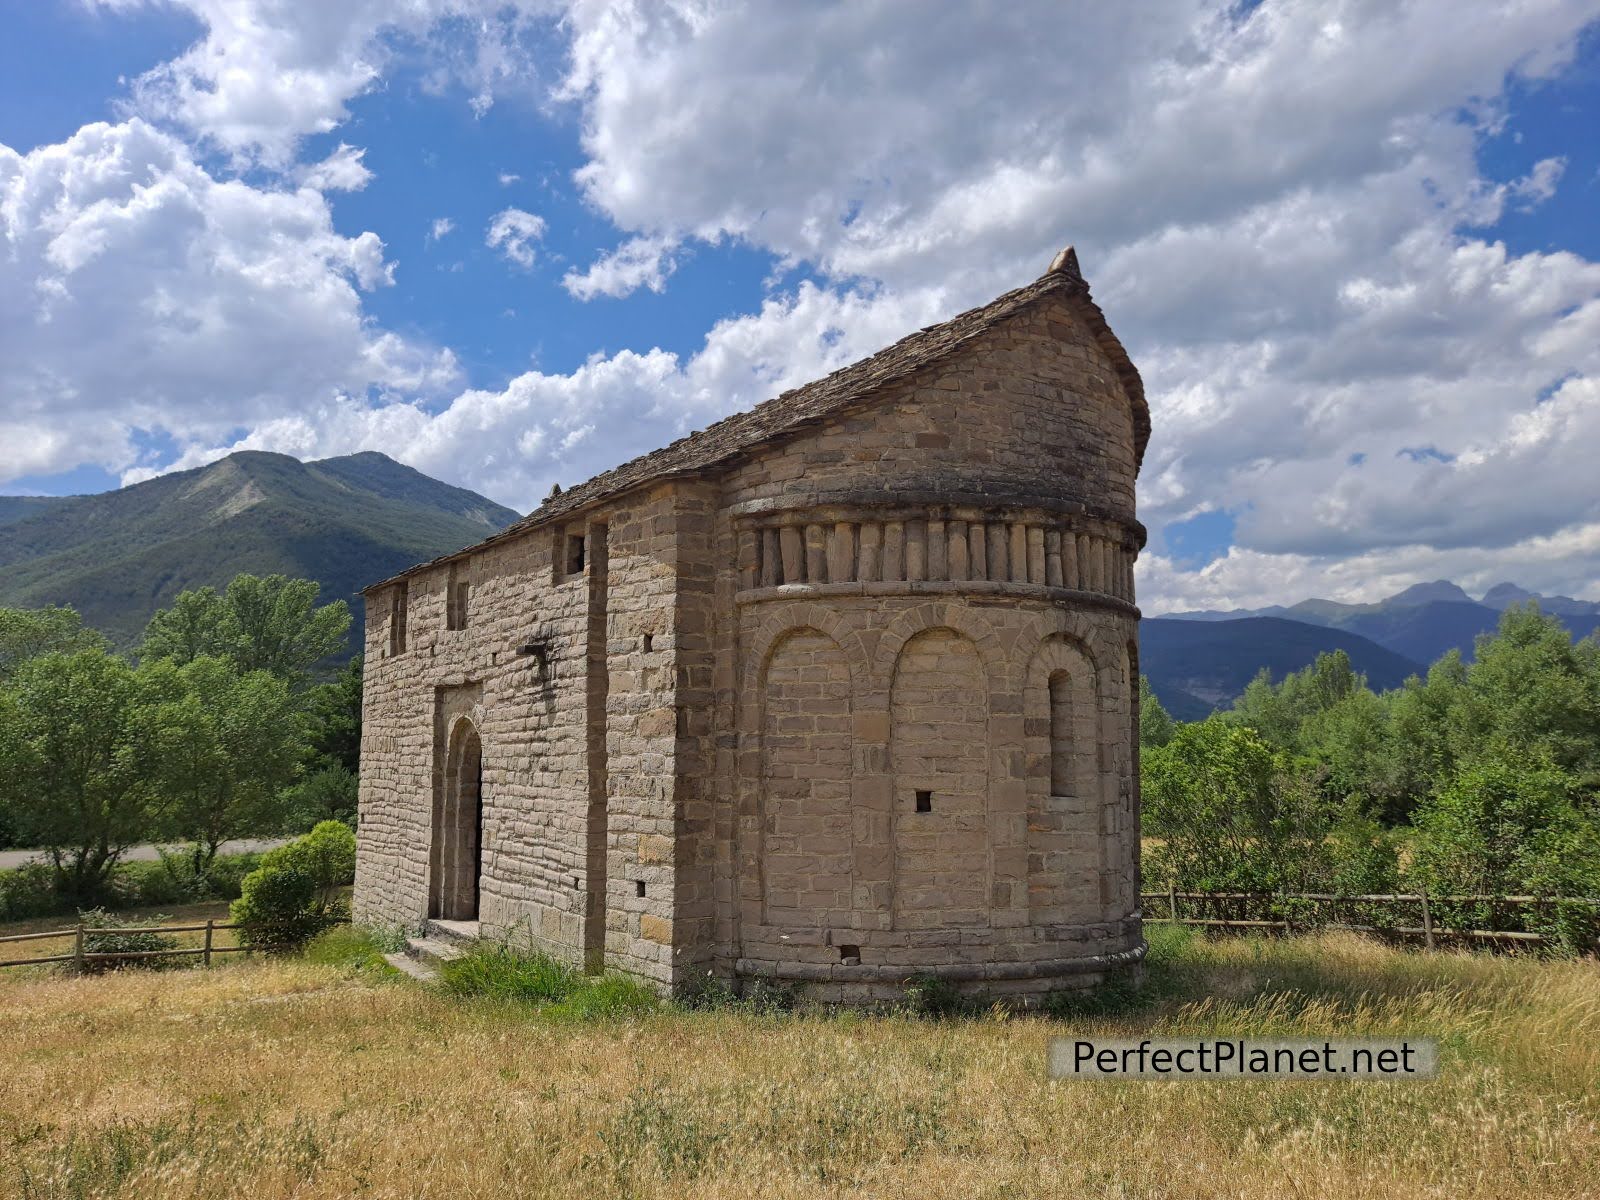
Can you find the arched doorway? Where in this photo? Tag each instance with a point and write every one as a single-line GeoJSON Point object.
{"type": "Point", "coordinates": [458, 829]}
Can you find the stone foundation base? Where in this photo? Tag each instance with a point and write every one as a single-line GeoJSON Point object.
{"type": "Point", "coordinates": [1024, 984]}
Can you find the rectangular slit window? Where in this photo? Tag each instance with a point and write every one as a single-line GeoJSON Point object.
{"type": "Point", "coordinates": [575, 554]}
{"type": "Point", "coordinates": [925, 802]}
{"type": "Point", "coordinates": [649, 642]}
{"type": "Point", "coordinates": [456, 606]}
{"type": "Point", "coordinates": [399, 602]}
{"type": "Point", "coordinates": [848, 952]}
{"type": "Point", "coordinates": [638, 887]}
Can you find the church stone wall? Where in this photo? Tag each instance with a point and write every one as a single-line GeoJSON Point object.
{"type": "Point", "coordinates": [715, 766]}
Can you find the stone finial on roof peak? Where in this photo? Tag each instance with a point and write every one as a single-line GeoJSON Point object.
{"type": "Point", "coordinates": [1065, 263]}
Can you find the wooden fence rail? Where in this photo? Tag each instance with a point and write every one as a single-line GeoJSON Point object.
{"type": "Point", "coordinates": [80, 934]}
{"type": "Point", "coordinates": [1287, 911]}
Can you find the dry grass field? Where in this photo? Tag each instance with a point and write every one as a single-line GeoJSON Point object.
{"type": "Point", "coordinates": [326, 1079]}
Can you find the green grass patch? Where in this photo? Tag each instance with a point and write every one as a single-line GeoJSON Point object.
{"type": "Point", "coordinates": [495, 971]}
{"type": "Point", "coordinates": [356, 947]}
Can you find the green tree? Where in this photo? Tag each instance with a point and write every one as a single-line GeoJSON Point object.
{"type": "Point", "coordinates": [1509, 824]}
{"type": "Point", "coordinates": [72, 766]}
{"type": "Point", "coordinates": [1155, 723]}
{"type": "Point", "coordinates": [271, 624]}
{"type": "Point", "coordinates": [222, 746]}
{"type": "Point", "coordinates": [1232, 814]}
{"type": "Point", "coordinates": [29, 633]}
{"type": "Point", "coordinates": [333, 712]}
{"type": "Point", "coordinates": [1536, 691]}
{"type": "Point", "coordinates": [198, 625]}
{"type": "Point", "coordinates": [1421, 727]}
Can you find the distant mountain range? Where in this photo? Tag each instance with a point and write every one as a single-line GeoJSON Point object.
{"type": "Point", "coordinates": [346, 522]}
{"type": "Point", "coordinates": [1195, 667]}
{"type": "Point", "coordinates": [1197, 660]}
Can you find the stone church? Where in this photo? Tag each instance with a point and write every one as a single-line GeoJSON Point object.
{"type": "Point", "coordinates": [838, 691]}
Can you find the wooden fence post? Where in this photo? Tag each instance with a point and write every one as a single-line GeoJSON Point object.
{"type": "Point", "coordinates": [1172, 901]}
{"type": "Point", "coordinates": [1427, 921]}
{"type": "Point", "coordinates": [77, 951]}
{"type": "Point", "coordinates": [210, 925]}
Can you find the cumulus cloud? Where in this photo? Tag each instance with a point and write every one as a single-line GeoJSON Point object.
{"type": "Point", "coordinates": [544, 428]}
{"type": "Point", "coordinates": [1280, 206]}
{"type": "Point", "coordinates": [269, 72]}
{"type": "Point", "coordinates": [638, 262]}
{"type": "Point", "coordinates": [513, 233]}
{"type": "Point", "coordinates": [139, 292]}
{"type": "Point", "coordinates": [440, 227]}
{"type": "Point", "coordinates": [341, 171]}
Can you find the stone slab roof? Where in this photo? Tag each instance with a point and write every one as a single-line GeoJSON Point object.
{"type": "Point", "coordinates": [718, 445]}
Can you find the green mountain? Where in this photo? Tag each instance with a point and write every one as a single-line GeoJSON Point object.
{"type": "Point", "coordinates": [18, 508]}
{"type": "Point", "coordinates": [119, 556]}
{"type": "Point", "coordinates": [1197, 666]}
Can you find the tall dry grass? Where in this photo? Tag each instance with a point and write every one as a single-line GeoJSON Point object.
{"type": "Point", "coordinates": [273, 1080]}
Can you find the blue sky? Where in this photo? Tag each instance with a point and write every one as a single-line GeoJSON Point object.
{"type": "Point", "coordinates": [1352, 246]}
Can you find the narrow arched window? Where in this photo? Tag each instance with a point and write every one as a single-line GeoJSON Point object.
{"type": "Point", "coordinates": [1060, 734]}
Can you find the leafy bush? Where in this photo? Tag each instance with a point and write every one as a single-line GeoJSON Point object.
{"type": "Point", "coordinates": [294, 894]}
{"type": "Point", "coordinates": [1508, 826]}
{"type": "Point", "coordinates": [326, 856]}
{"type": "Point", "coordinates": [1234, 816]}
{"type": "Point", "coordinates": [278, 908]}
{"type": "Point", "coordinates": [29, 891]}
{"type": "Point", "coordinates": [132, 944]}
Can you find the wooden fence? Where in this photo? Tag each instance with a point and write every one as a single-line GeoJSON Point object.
{"type": "Point", "coordinates": [1389, 914]}
{"type": "Point", "coordinates": [82, 935]}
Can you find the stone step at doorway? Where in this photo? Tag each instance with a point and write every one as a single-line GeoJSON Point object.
{"type": "Point", "coordinates": [439, 942]}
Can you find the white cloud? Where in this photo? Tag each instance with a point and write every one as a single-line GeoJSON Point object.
{"type": "Point", "coordinates": [638, 262]}
{"type": "Point", "coordinates": [1280, 206]}
{"type": "Point", "coordinates": [440, 227]}
{"type": "Point", "coordinates": [341, 171]}
{"type": "Point", "coordinates": [513, 233]}
{"type": "Point", "coordinates": [507, 178]}
{"type": "Point", "coordinates": [512, 444]}
{"type": "Point", "coordinates": [138, 292]}
{"type": "Point", "coordinates": [1540, 183]}
{"type": "Point", "coordinates": [269, 72]}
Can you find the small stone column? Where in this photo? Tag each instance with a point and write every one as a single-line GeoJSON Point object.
{"type": "Point", "coordinates": [894, 545]}
{"type": "Point", "coordinates": [769, 557]}
{"type": "Point", "coordinates": [1036, 570]}
{"type": "Point", "coordinates": [793, 554]}
{"type": "Point", "coordinates": [916, 550]}
{"type": "Point", "coordinates": [870, 555]}
{"type": "Point", "coordinates": [938, 553]}
{"type": "Point", "coordinates": [956, 549]}
{"type": "Point", "coordinates": [1052, 557]}
{"type": "Point", "coordinates": [1019, 552]}
{"type": "Point", "coordinates": [998, 543]}
{"type": "Point", "coordinates": [842, 553]}
{"type": "Point", "coordinates": [977, 551]}
{"type": "Point", "coordinates": [816, 554]}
